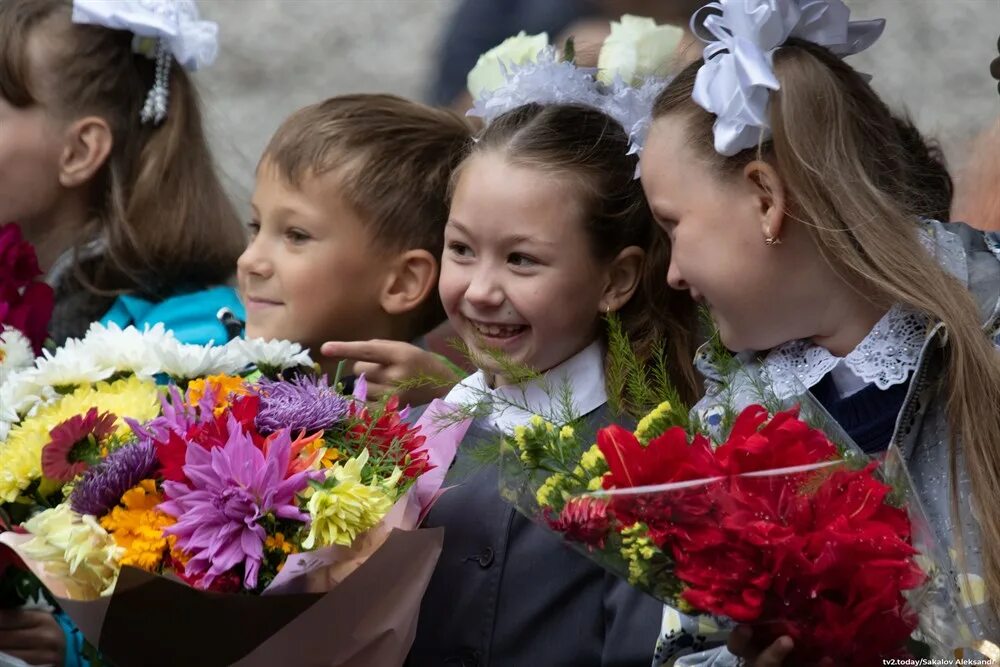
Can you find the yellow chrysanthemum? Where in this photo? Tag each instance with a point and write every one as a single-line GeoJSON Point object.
{"type": "Point", "coordinates": [138, 526]}
{"type": "Point", "coordinates": [21, 454]}
{"type": "Point", "coordinates": [224, 387]}
{"type": "Point", "coordinates": [341, 513]}
{"type": "Point", "coordinates": [75, 549]}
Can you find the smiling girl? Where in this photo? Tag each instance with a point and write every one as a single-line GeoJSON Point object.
{"type": "Point", "coordinates": [547, 232]}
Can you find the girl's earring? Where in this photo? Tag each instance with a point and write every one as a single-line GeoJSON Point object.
{"type": "Point", "coordinates": [772, 241]}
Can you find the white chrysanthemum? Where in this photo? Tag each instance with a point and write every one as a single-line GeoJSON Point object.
{"type": "Point", "coordinates": [70, 365]}
{"type": "Point", "coordinates": [15, 353]}
{"type": "Point", "coordinates": [23, 394]}
{"type": "Point", "coordinates": [74, 549]}
{"type": "Point", "coordinates": [270, 353]}
{"type": "Point", "coordinates": [183, 362]}
{"type": "Point", "coordinates": [128, 349]}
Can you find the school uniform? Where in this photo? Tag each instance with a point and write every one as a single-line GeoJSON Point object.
{"type": "Point", "coordinates": [507, 592]}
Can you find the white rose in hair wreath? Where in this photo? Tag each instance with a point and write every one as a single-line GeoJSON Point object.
{"type": "Point", "coordinates": [489, 72]}
{"type": "Point", "coordinates": [637, 49]}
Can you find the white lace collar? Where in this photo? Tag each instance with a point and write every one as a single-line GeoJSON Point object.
{"type": "Point", "coordinates": [582, 375]}
{"type": "Point", "coordinates": [886, 357]}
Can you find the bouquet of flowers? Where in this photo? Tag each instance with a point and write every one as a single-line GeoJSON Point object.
{"type": "Point", "coordinates": [767, 516]}
{"type": "Point", "coordinates": [155, 476]}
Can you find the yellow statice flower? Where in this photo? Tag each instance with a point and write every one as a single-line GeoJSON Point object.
{"type": "Point", "coordinates": [137, 527]}
{"type": "Point", "coordinates": [567, 432]}
{"type": "Point", "coordinates": [519, 435]}
{"type": "Point", "coordinates": [339, 514]}
{"type": "Point", "coordinates": [224, 387]}
{"type": "Point", "coordinates": [21, 455]}
{"type": "Point", "coordinates": [638, 549]}
{"type": "Point", "coordinates": [647, 425]}
{"type": "Point", "coordinates": [593, 460]}
{"type": "Point", "coordinates": [550, 489]}
{"type": "Point", "coordinates": [76, 550]}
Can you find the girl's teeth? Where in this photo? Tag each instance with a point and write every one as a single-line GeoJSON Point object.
{"type": "Point", "coordinates": [498, 331]}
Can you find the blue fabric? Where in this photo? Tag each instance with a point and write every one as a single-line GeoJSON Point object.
{"type": "Point", "coordinates": [74, 642]}
{"type": "Point", "coordinates": [868, 416]}
{"type": "Point", "coordinates": [191, 316]}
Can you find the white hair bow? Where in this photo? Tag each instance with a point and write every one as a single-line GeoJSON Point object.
{"type": "Point", "coordinates": [175, 29]}
{"type": "Point", "coordinates": [735, 81]}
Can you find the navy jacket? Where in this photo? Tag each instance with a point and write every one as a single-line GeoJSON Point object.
{"type": "Point", "coordinates": [508, 593]}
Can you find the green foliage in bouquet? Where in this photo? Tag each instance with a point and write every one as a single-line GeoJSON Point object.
{"type": "Point", "coordinates": [637, 386]}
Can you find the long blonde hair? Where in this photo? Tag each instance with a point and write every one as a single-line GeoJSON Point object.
{"type": "Point", "coordinates": [850, 176]}
{"type": "Point", "coordinates": [158, 201]}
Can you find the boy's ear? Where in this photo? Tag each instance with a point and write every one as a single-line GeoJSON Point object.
{"type": "Point", "coordinates": [88, 144]}
{"type": "Point", "coordinates": [411, 280]}
{"type": "Point", "coordinates": [623, 278]}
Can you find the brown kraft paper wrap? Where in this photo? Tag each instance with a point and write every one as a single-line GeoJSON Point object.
{"type": "Point", "coordinates": [367, 619]}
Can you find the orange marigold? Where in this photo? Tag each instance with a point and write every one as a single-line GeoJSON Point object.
{"type": "Point", "coordinates": [137, 526]}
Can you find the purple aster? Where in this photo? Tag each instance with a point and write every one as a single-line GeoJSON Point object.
{"type": "Point", "coordinates": [231, 489]}
{"type": "Point", "coordinates": [103, 485]}
{"type": "Point", "coordinates": [304, 403]}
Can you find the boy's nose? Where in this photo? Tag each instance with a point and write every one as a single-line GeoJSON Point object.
{"type": "Point", "coordinates": [254, 262]}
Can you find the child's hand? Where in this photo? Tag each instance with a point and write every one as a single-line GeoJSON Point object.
{"type": "Point", "coordinates": [387, 363]}
{"type": "Point", "coordinates": [740, 644]}
{"type": "Point", "coordinates": [33, 636]}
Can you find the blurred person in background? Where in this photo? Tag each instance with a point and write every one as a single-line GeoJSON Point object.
{"type": "Point", "coordinates": [479, 25]}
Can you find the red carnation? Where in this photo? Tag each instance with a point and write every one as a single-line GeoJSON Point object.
{"type": "Point", "coordinates": [391, 435]}
{"type": "Point", "coordinates": [583, 520]}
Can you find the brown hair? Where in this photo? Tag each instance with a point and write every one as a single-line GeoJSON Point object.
{"type": "Point", "coordinates": [842, 156]}
{"type": "Point", "coordinates": [591, 148]}
{"type": "Point", "coordinates": [393, 159]}
{"type": "Point", "coordinates": [157, 200]}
